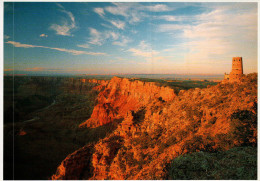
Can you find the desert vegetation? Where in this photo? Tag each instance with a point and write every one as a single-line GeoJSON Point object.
{"type": "Point", "coordinates": [234, 164]}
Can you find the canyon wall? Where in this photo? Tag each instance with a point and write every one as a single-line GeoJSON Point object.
{"type": "Point", "coordinates": [157, 126]}
{"type": "Point", "coordinates": [121, 95]}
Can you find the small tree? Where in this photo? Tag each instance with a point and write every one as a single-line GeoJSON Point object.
{"type": "Point", "coordinates": [244, 127]}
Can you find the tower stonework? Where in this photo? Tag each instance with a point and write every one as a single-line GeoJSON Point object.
{"type": "Point", "coordinates": [237, 70]}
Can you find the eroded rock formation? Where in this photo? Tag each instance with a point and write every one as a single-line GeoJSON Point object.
{"type": "Point", "coordinates": [122, 95]}
{"type": "Point", "coordinates": [158, 126]}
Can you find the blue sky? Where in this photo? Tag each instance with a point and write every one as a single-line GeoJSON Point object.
{"type": "Point", "coordinates": [115, 38]}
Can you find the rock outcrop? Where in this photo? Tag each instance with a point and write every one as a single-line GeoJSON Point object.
{"type": "Point", "coordinates": [122, 95]}
{"type": "Point", "coordinates": [158, 126]}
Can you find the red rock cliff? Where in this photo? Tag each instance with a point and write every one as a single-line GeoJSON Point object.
{"type": "Point", "coordinates": [216, 118]}
{"type": "Point", "coordinates": [121, 95]}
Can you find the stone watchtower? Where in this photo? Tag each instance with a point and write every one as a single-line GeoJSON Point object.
{"type": "Point", "coordinates": [237, 66]}
{"type": "Point", "coordinates": [237, 70]}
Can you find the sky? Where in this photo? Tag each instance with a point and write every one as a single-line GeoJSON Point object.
{"type": "Point", "coordinates": [129, 38]}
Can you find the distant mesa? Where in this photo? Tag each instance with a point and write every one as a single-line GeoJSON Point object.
{"type": "Point", "coordinates": [236, 72]}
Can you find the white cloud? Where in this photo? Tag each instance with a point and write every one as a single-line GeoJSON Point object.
{"type": "Point", "coordinates": [136, 17]}
{"type": "Point", "coordinates": [67, 25]}
{"type": "Point", "coordinates": [99, 38]}
{"type": "Point", "coordinates": [143, 53]}
{"type": "Point", "coordinates": [74, 52]}
{"type": "Point", "coordinates": [17, 44]}
{"type": "Point", "coordinates": [96, 37]}
{"type": "Point", "coordinates": [216, 36]}
{"type": "Point", "coordinates": [43, 35]}
{"type": "Point", "coordinates": [119, 9]}
{"type": "Point", "coordinates": [170, 18]}
{"type": "Point", "coordinates": [84, 46]}
{"type": "Point", "coordinates": [114, 35]}
{"type": "Point", "coordinates": [62, 29]}
{"type": "Point", "coordinates": [158, 8]}
{"type": "Point", "coordinates": [144, 49]}
{"type": "Point", "coordinates": [99, 11]}
{"type": "Point", "coordinates": [138, 52]}
{"type": "Point", "coordinates": [130, 11]}
{"type": "Point", "coordinates": [115, 10]}
{"type": "Point", "coordinates": [60, 6]}
{"type": "Point", "coordinates": [144, 45]}
{"type": "Point", "coordinates": [118, 24]}
{"type": "Point", "coordinates": [123, 42]}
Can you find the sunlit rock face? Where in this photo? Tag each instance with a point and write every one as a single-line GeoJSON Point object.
{"type": "Point", "coordinates": [122, 95]}
{"type": "Point", "coordinates": [158, 126]}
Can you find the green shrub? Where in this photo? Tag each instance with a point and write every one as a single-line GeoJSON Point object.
{"type": "Point", "coordinates": [238, 163]}
{"type": "Point", "coordinates": [243, 127]}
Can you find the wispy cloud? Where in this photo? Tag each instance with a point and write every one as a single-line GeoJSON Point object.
{"type": "Point", "coordinates": [216, 35]}
{"type": "Point", "coordinates": [142, 53]}
{"type": "Point", "coordinates": [158, 8]}
{"type": "Point", "coordinates": [67, 25]}
{"type": "Point", "coordinates": [84, 46]}
{"type": "Point", "coordinates": [43, 35]}
{"type": "Point", "coordinates": [71, 51]}
{"type": "Point", "coordinates": [99, 38]}
{"type": "Point", "coordinates": [117, 23]}
{"type": "Point", "coordinates": [114, 35]}
{"type": "Point", "coordinates": [122, 42]}
{"type": "Point", "coordinates": [144, 45]}
{"type": "Point", "coordinates": [130, 11]}
{"type": "Point", "coordinates": [179, 18]}
{"type": "Point", "coordinates": [96, 37]}
{"type": "Point", "coordinates": [144, 50]}
{"type": "Point", "coordinates": [99, 11]}
{"type": "Point", "coordinates": [18, 44]}
{"type": "Point", "coordinates": [118, 9]}
{"type": "Point", "coordinates": [133, 12]}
